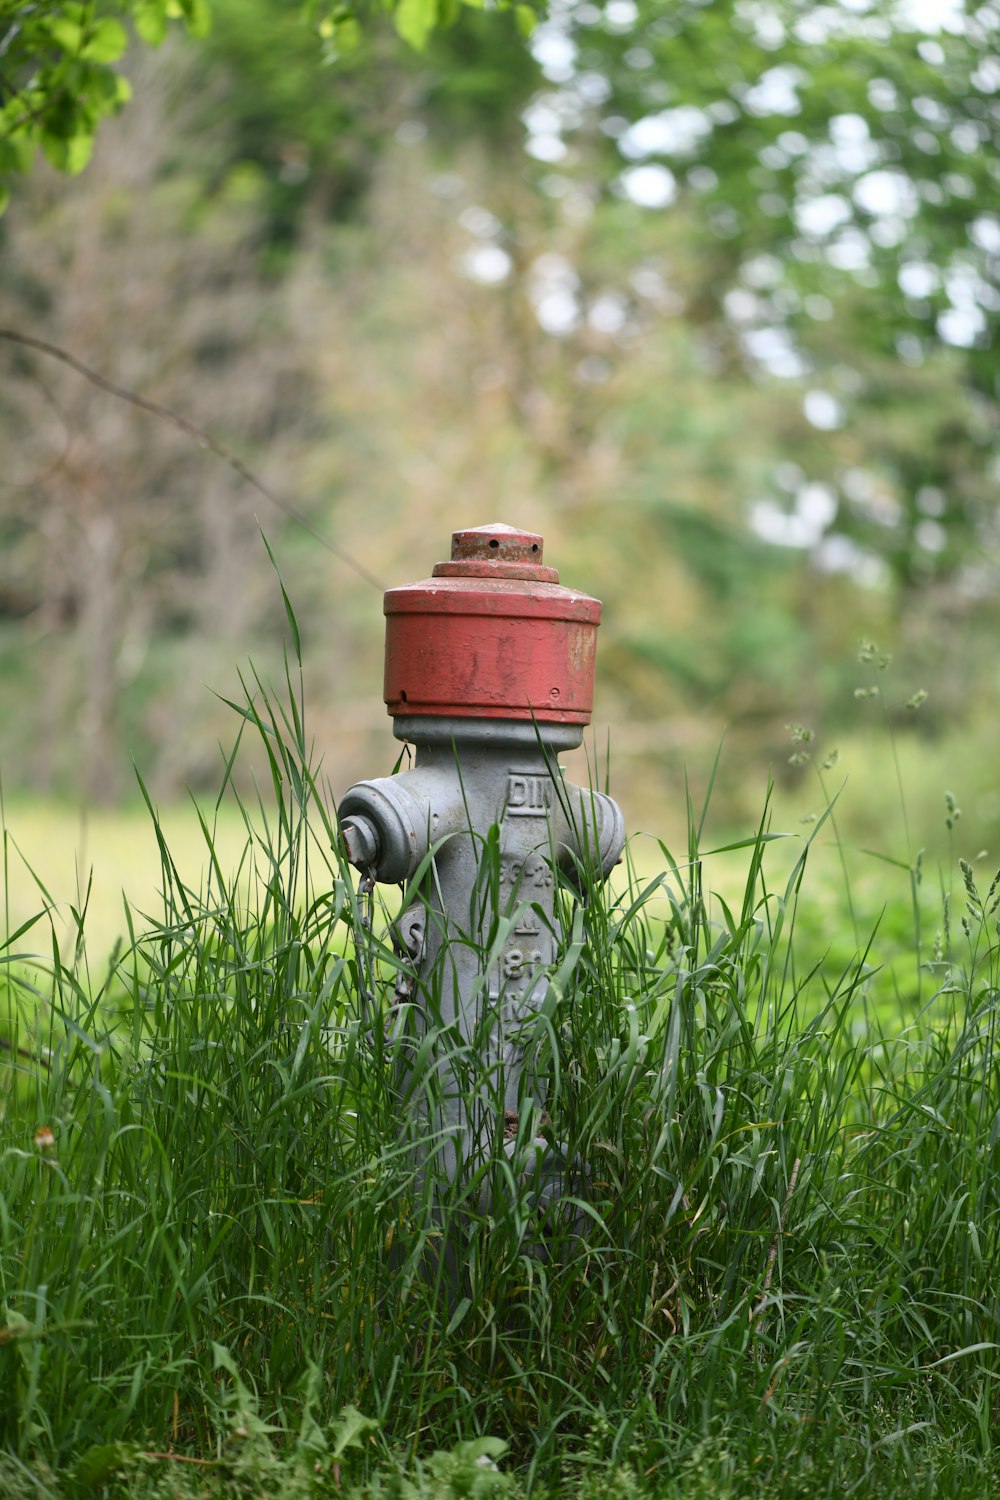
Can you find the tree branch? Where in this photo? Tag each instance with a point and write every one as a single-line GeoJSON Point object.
{"type": "Point", "coordinates": [199, 436]}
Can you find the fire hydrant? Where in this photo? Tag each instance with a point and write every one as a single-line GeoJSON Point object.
{"type": "Point", "coordinates": [489, 673]}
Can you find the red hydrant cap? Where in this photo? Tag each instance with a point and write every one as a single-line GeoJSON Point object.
{"type": "Point", "coordinates": [491, 635]}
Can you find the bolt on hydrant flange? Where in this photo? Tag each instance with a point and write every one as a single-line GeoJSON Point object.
{"type": "Point", "coordinates": [489, 672]}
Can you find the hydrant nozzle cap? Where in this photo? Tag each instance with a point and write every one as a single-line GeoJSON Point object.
{"type": "Point", "coordinates": [496, 551]}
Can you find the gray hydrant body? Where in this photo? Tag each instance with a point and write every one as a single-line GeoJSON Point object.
{"type": "Point", "coordinates": [489, 674]}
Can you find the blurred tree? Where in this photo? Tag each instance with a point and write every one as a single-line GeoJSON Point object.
{"type": "Point", "coordinates": [60, 59]}
{"type": "Point", "coordinates": [118, 537]}
{"type": "Point", "coordinates": [842, 165]}
{"type": "Point", "coordinates": [316, 121]}
{"type": "Point", "coordinates": [709, 399]}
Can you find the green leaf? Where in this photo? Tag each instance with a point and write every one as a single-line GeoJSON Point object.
{"type": "Point", "coordinates": [347, 36]}
{"type": "Point", "coordinates": [19, 1331]}
{"type": "Point", "coordinates": [415, 20]}
{"type": "Point", "coordinates": [293, 624]}
{"type": "Point", "coordinates": [458, 1315]}
{"type": "Point", "coordinates": [97, 1465]}
{"type": "Point", "coordinates": [17, 148]}
{"type": "Point", "coordinates": [68, 154]}
{"type": "Point", "coordinates": [527, 19]}
{"type": "Point", "coordinates": [241, 1401]}
{"type": "Point", "coordinates": [150, 21]}
{"type": "Point", "coordinates": [4, 196]}
{"type": "Point", "coordinates": [8, 157]}
{"type": "Point", "coordinates": [223, 1360]}
{"type": "Point", "coordinates": [311, 1439]}
{"type": "Point", "coordinates": [479, 1448]}
{"type": "Point", "coordinates": [197, 17]}
{"type": "Point", "coordinates": [106, 42]}
{"type": "Point", "coordinates": [749, 843]}
{"type": "Point", "coordinates": [66, 33]}
{"type": "Point", "coordinates": [17, 1325]}
{"type": "Point", "coordinates": [348, 1430]}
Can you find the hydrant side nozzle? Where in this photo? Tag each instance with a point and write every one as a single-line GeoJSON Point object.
{"type": "Point", "coordinates": [610, 832]}
{"type": "Point", "coordinates": [360, 842]}
{"type": "Point", "coordinates": [382, 811]}
{"type": "Point", "coordinates": [405, 815]}
{"type": "Point", "coordinates": [595, 835]}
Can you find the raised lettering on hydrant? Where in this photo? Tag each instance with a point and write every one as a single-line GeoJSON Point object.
{"type": "Point", "coordinates": [489, 673]}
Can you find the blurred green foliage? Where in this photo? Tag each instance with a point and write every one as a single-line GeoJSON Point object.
{"type": "Point", "coordinates": [58, 78]}
{"type": "Point", "coordinates": [708, 295]}
{"type": "Point", "coordinates": [61, 75]}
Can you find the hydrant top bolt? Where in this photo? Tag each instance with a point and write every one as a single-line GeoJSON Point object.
{"type": "Point", "coordinates": [496, 551]}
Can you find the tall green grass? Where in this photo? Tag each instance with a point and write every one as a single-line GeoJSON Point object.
{"type": "Point", "coordinates": [774, 1272]}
